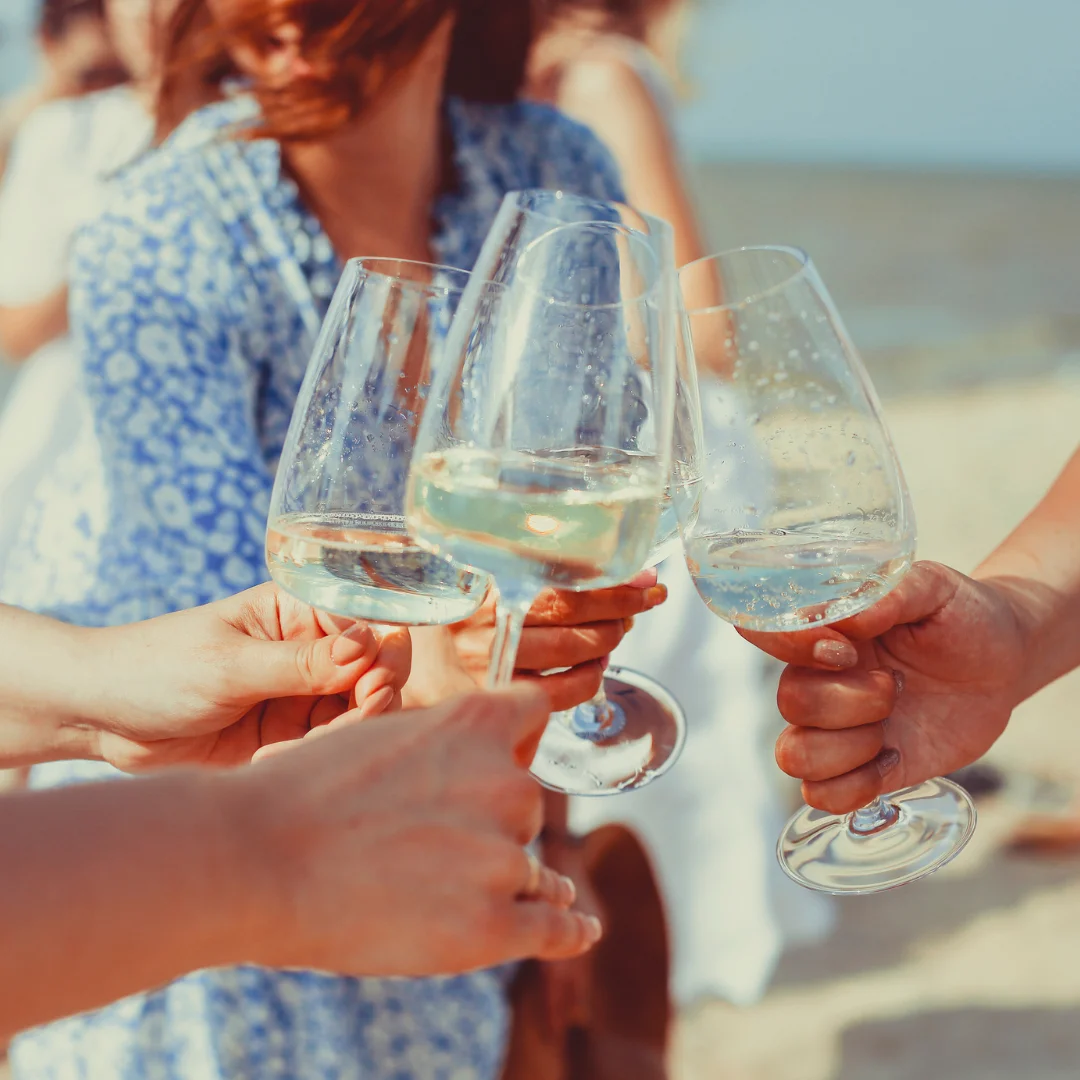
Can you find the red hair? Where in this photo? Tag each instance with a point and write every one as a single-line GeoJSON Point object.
{"type": "Point", "coordinates": [353, 47]}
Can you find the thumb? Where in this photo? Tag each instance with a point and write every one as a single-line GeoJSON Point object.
{"type": "Point", "coordinates": [305, 668]}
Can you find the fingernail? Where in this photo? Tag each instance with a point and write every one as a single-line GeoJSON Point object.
{"type": "Point", "coordinates": [644, 579]}
{"type": "Point", "coordinates": [605, 662]}
{"type": "Point", "coordinates": [656, 595]}
{"type": "Point", "coordinates": [376, 703]}
{"type": "Point", "coordinates": [838, 654]}
{"type": "Point", "coordinates": [628, 624]}
{"type": "Point", "coordinates": [593, 930]}
{"type": "Point", "coordinates": [569, 888]}
{"type": "Point", "coordinates": [886, 761]}
{"type": "Point", "coordinates": [351, 645]}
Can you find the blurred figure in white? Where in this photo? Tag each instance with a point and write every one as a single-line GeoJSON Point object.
{"type": "Point", "coordinates": [711, 825]}
{"type": "Point", "coordinates": [58, 173]}
{"type": "Point", "coordinates": [596, 62]}
{"type": "Point", "coordinates": [76, 57]}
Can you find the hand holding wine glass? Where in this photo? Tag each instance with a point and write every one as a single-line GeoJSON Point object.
{"type": "Point", "coordinates": [821, 532]}
{"type": "Point", "coordinates": [940, 657]}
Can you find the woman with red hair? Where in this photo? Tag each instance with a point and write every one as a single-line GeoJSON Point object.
{"type": "Point", "coordinates": [353, 127]}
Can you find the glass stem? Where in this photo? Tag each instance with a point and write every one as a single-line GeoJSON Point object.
{"type": "Point", "coordinates": [873, 817]}
{"type": "Point", "coordinates": [511, 607]}
{"type": "Point", "coordinates": [599, 703]}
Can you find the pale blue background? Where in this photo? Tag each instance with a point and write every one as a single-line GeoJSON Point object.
{"type": "Point", "coordinates": [914, 82]}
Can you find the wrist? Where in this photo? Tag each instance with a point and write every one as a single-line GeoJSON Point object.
{"type": "Point", "coordinates": [1023, 618]}
{"type": "Point", "coordinates": [43, 681]}
{"type": "Point", "coordinates": [253, 921]}
{"type": "Point", "coordinates": [87, 690]}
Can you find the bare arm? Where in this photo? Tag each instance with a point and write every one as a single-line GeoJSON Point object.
{"type": "Point", "coordinates": [607, 95]}
{"type": "Point", "coordinates": [1038, 566]}
{"type": "Point", "coordinates": [385, 848]}
{"type": "Point", "coordinates": [149, 862]}
{"type": "Point", "coordinates": [26, 327]}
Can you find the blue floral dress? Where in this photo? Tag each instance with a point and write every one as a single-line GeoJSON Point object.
{"type": "Point", "coordinates": [195, 300]}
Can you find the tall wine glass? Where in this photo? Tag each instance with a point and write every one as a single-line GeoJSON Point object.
{"type": "Point", "coordinates": [819, 528]}
{"type": "Point", "coordinates": [628, 704]}
{"type": "Point", "coordinates": [336, 535]}
{"type": "Point", "coordinates": [546, 446]}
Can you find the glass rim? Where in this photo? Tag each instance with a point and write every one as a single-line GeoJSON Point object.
{"type": "Point", "coordinates": [643, 297]}
{"type": "Point", "coordinates": [369, 266]}
{"type": "Point", "coordinates": [558, 194]}
{"type": "Point", "coordinates": [802, 268]}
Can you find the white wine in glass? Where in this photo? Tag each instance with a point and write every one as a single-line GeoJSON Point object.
{"type": "Point", "coordinates": [819, 528]}
{"type": "Point", "coordinates": [546, 446]}
{"type": "Point", "coordinates": [336, 536]}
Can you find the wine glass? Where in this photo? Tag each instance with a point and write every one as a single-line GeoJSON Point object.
{"type": "Point", "coordinates": [628, 704]}
{"type": "Point", "coordinates": [336, 535]}
{"type": "Point", "coordinates": [818, 528]}
{"type": "Point", "coordinates": [545, 449]}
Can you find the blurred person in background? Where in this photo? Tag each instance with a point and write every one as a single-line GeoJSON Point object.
{"type": "Point", "coordinates": [383, 128]}
{"type": "Point", "coordinates": [62, 162]}
{"type": "Point", "coordinates": [77, 57]}
{"type": "Point", "coordinates": [594, 62]}
{"type": "Point", "coordinates": [709, 828]}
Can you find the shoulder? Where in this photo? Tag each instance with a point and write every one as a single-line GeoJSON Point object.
{"type": "Point", "coordinates": [540, 147]}
{"type": "Point", "coordinates": [47, 131]}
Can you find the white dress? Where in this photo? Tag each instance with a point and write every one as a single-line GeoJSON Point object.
{"type": "Point", "coordinates": [57, 176]}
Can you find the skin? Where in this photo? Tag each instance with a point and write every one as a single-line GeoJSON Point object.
{"type": "Point", "coordinates": [216, 685]}
{"type": "Point", "coordinates": [389, 847]}
{"type": "Point", "coordinates": [925, 681]}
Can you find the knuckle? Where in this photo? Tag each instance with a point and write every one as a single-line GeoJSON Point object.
{"type": "Point", "coordinates": [790, 697]}
{"type": "Point", "coordinates": [788, 756]}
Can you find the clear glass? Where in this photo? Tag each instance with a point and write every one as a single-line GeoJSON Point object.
{"type": "Point", "coordinates": [623, 707]}
{"type": "Point", "coordinates": [336, 535]}
{"type": "Point", "coordinates": [546, 447]}
{"type": "Point", "coordinates": [818, 528]}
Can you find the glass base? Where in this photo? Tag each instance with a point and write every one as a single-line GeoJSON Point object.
{"type": "Point", "coordinates": [924, 828]}
{"type": "Point", "coordinates": [583, 754]}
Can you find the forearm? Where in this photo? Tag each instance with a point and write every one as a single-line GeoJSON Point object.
{"type": "Point", "coordinates": [47, 679]}
{"type": "Point", "coordinates": [1038, 566]}
{"type": "Point", "coordinates": [114, 888]}
{"type": "Point", "coordinates": [24, 329]}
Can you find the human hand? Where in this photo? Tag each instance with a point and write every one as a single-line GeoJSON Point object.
{"type": "Point", "coordinates": [215, 684]}
{"type": "Point", "coordinates": [396, 847]}
{"type": "Point", "coordinates": [572, 630]}
{"type": "Point", "coordinates": [918, 685]}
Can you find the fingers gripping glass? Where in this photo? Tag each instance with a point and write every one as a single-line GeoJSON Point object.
{"type": "Point", "coordinates": [546, 446]}
{"type": "Point", "coordinates": [804, 519]}
{"type": "Point", "coordinates": [336, 536]}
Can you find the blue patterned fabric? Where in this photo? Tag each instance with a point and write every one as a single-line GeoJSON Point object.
{"type": "Point", "coordinates": [195, 300]}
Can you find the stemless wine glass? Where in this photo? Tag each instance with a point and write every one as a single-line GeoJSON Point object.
{"type": "Point", "coordinates": [336, 535]}
{"type": "Point", "coordinates": [628, 704]}
{"type": "Point", "coordinates": [818, 528]}
{"type": "Point", "coordinates": [546, 445]}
